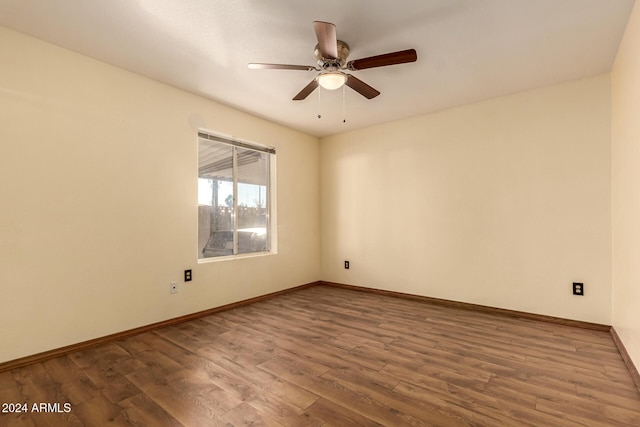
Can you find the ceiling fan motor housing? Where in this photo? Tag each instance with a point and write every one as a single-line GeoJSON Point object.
{"type": "Point", "coordinates": [332, 64]}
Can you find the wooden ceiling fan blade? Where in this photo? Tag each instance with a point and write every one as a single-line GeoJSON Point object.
{"type": "Point", "coordinates": [327, 39]}
{"type": "Point", "coordinates": [313, 84]}
{"type": "Point", "coordinates": [361, 87]}
{"type": "Point", "coordinates": [393, 58]}
{"type": "Point", "coordinates": [260, 66]}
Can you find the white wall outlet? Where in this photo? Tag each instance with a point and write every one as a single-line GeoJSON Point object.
{"type": "Point", "coordinates": [173, 288]}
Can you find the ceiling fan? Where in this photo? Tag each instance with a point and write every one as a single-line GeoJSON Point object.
{"type": "Point", "coordinates": [331, 55]}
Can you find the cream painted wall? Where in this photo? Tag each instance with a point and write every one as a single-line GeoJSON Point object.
{"type": "Point", "coordinates": [625, 83]}
{"type": "Point", "coordinates": [98, 192]}
{"type": "Point", "coordinates": [502, 203]}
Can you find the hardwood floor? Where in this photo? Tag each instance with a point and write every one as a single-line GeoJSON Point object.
{"type": "Point", "coordinates": [325, 356]}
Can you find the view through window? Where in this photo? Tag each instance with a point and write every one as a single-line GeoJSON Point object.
{"type": "Point", "coordinates": [233, 197]}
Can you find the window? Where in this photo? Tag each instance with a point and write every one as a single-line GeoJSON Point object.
{"type": "Point", "coordinates": [234, 197]}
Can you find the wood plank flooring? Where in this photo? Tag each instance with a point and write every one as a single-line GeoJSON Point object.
{"type": "Point", "coordinates": [326, 356]}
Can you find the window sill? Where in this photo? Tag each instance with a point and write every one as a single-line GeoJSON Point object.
{"type": "Point", "coordinates": [234, 257]}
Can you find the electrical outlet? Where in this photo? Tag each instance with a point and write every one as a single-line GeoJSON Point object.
{"type": "Point", "coordinates": [578, 288]}
{"type": "Point", "coordinates": [346, 265]}
{"type": "Point", "coordinates": [173, 288]}
{"type": "Point", "coordinates": [187, 275]}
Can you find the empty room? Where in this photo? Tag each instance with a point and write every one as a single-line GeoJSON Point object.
{"type": "Point", "coordinates": [335, 213]}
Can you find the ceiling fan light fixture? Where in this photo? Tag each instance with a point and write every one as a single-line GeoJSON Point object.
{"type": "Point", "coordinates": [332, 80]}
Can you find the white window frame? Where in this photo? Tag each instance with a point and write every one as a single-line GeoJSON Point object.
{"type": "Point", "coordinates": [271, 195]}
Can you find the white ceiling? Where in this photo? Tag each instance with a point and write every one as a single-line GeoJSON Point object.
{"type": "Point", "coordinates": [468, 50]}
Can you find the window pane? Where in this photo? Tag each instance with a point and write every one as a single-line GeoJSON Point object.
{"type": "Point", "coordinates": [215, 199]}
{"type": "Point", "coordinates": [253, 180]}
{"type": "Point", "coordinates": [233, 197]}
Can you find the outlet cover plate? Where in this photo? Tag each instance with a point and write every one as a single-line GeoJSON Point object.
{"type": "Point", "coordinates": [578, 288]}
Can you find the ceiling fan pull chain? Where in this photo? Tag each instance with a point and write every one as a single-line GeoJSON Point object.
{"type": "Point", "coordinates": [344, 105]}
{"type": "Point", "coordinates": [319, 115]}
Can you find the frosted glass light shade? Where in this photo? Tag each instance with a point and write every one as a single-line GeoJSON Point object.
{"type": "Point", "coordinates": [332, 81]}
